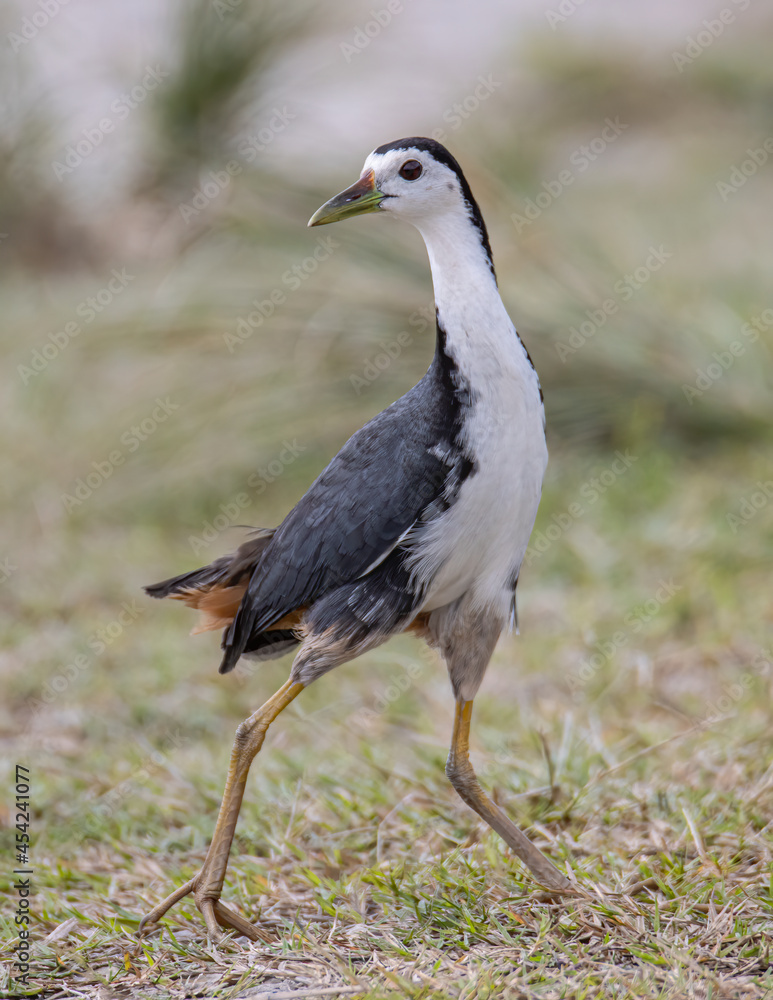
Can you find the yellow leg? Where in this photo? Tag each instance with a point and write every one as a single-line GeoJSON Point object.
{"type": "Point", "coordinates": [463, 778]}
{"type": "Point", "coordinates": [208, 884]}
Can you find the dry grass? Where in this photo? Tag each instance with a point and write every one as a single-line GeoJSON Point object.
{"type": "Point", "coordinates": [653, 770]}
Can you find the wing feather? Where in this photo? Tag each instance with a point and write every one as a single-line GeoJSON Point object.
{"type": "Point", "coordinates": [380, 485]}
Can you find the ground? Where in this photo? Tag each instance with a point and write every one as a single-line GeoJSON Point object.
{"type": "Point", "coordinates": [628, 728]}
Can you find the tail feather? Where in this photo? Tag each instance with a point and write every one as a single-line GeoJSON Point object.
{"type": "Point", "coordinates": [216, 591]}
{"type": "Point", "coordinates": [230, 570]}
{"type": "Point", "coordinates": [197, 579]}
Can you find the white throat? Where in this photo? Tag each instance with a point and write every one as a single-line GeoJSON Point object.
{"type": "Point", "coordinates": [479, 333]}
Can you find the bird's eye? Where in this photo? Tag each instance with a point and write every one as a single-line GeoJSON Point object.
{"type": "Point", "coordinates": [411, 170]}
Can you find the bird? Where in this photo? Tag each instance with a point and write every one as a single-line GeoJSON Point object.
{"type": "Point", "coordinates": [419, 524]}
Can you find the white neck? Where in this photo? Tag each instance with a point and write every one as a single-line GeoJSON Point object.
{"type": "Point", "coordinates": [479, 333]}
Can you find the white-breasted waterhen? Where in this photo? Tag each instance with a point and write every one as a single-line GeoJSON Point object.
{"type": "Point", "coordinates": [419, 523]}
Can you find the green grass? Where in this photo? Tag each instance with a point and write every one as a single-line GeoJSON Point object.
{"type": "Point", "coordinates": [627, 729]}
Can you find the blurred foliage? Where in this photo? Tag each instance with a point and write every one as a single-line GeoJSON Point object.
{"type": "Point", "coordinates": [654, 186]}
{"type": "Point", "coordinates": [39, 229]}
{"type": "Point", "coordinates": [628, 376]}
{"type": "Point", "coordinates": [225, 49]}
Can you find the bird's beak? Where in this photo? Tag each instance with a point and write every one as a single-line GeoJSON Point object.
{"type": "Point", "coordinates": [358, 199]}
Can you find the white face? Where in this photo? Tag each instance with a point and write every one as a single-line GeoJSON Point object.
{"type": "Point", "coordinates": [416, 185]}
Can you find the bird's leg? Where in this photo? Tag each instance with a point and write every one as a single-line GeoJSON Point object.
{"type": "Point", "coordinates": [207, 885]}
{"type": "Point", "coordinates": [463, 778]}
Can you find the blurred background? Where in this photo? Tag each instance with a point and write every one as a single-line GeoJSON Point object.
{"type": "Point", "coordinates": [182, 356]}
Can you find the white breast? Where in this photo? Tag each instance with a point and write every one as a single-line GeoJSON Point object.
{"type": "Point", "coordinates": [477, 545]}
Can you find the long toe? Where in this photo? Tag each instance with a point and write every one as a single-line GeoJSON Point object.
{"type": "Point", "coordinates": [215, 913]}
{"type": "Point", "coordinates": [158, 911]}
{"type": "Point", "coordinates": [234, 921]}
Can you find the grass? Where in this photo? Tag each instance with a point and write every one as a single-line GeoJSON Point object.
{"type": "Point", "coordinates": [649, 766]}
{"type": "Point", "coordinates": [627, 729]}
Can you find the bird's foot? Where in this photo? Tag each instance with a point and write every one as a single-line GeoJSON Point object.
{"type": "Point", "coordinates": [216, 914]}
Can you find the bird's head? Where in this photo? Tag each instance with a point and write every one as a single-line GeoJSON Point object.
{"type": "Point", "coordinates": [412, 178]}
{"type": "Point", "coordinates": [417, 180]}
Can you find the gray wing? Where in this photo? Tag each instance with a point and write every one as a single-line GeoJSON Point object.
{"type": "Point", "coordinates": [397, 470]}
